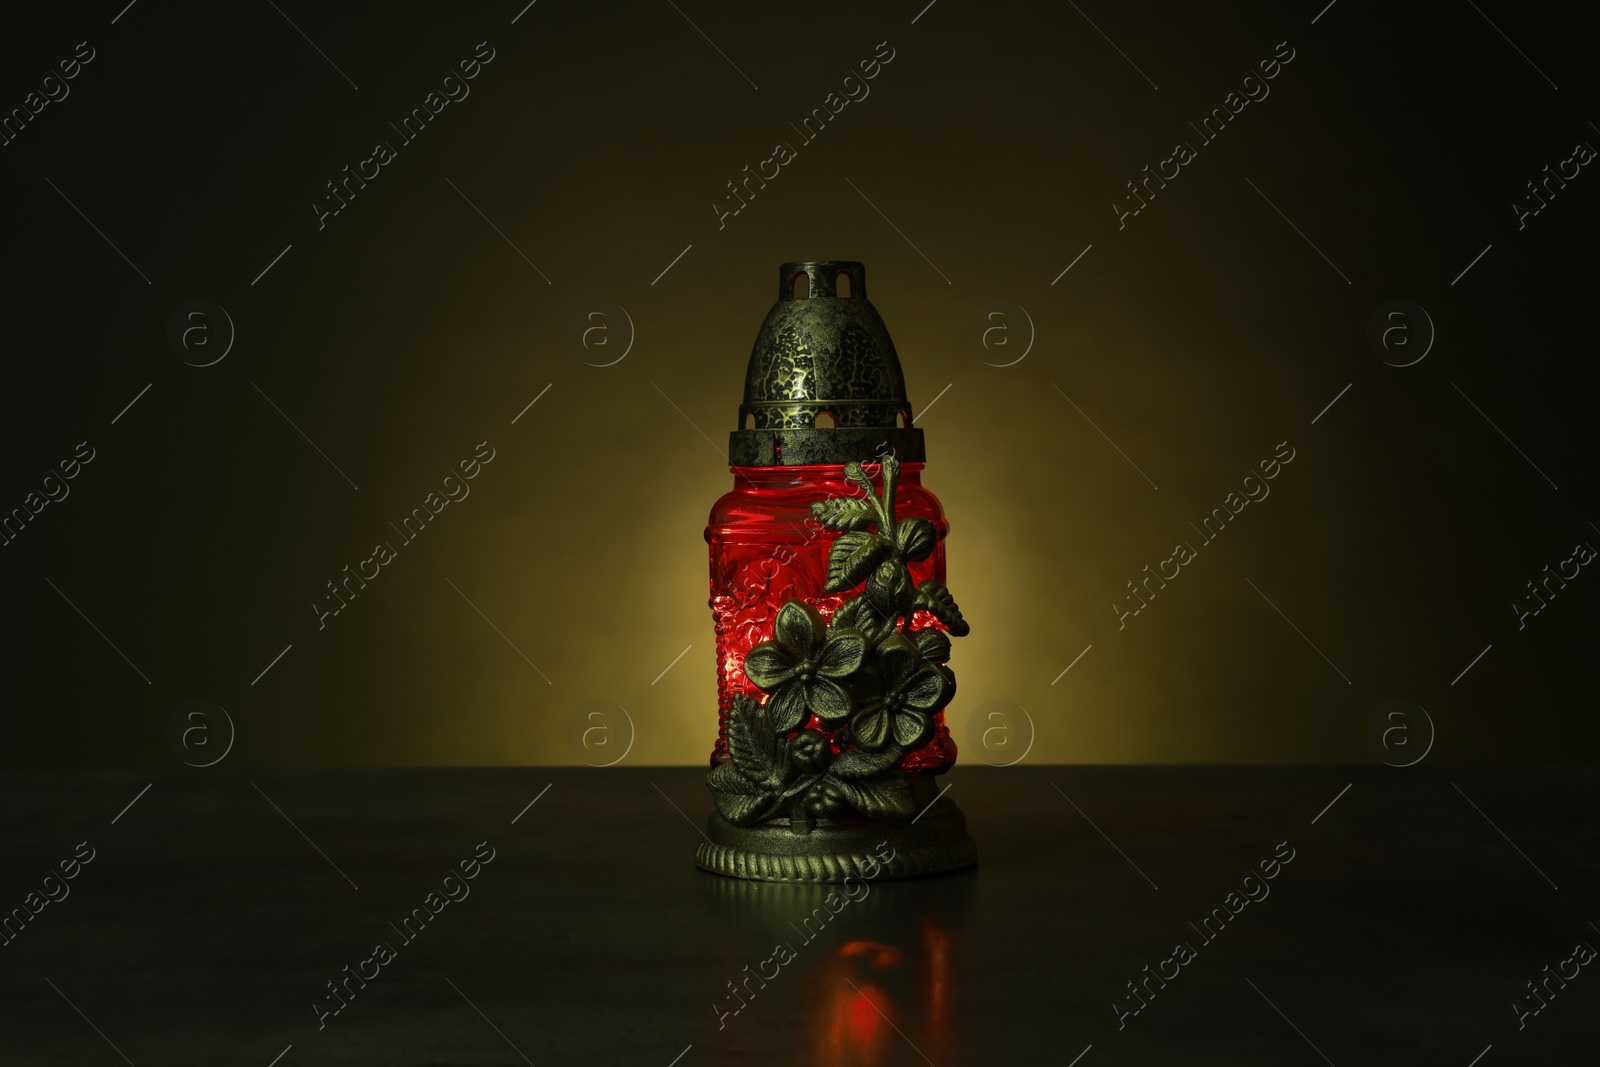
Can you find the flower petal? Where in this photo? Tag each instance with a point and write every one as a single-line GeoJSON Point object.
{"type": "Point", "coordinates": [926, 690]}
{"type": "Point", "coordinates": [843, 653]}
{"type": "Point", "coordinates": [768, 665]}
{"type": "Point", "coordinates": [910, 728]}
{"type": "Point", "coordinates": [829, 700]}
{"type": "Point", "coordinates": [799, 629]}
{"type": "Point", "coordinates": [787, 708]}
{"type": "Point", "coordinates": [899, 659]}
{"type": "Point", "coordinates": [871, 728]}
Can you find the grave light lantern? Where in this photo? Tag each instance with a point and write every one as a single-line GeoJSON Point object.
{"type": "Point", "coordinates": [833, 623]}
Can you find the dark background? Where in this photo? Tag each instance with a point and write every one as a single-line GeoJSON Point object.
{"type": "Point", "coordinates": [408, 330]}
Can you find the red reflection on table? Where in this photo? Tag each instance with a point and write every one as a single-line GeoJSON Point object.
{"type": "Point", "coordinates": [936, 966]}
{"type": "Point", "coordinates": [860, 1018]}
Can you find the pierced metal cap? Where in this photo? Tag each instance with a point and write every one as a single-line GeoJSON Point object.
{"type": "Point", "coordinates": [824, 384]}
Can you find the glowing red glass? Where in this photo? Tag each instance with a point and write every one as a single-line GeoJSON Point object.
{"type": "Point", "coordinates": [766, 549]}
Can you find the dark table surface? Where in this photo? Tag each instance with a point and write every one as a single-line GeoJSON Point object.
{"type": "Point", "coordinates": [215, 909]}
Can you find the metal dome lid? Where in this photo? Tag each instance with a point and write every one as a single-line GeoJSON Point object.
{"type": "Point", "coordinates": [824, 384]}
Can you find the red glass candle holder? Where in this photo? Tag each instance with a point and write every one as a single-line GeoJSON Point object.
{"type": "Point", "coordinates": [831, 613]}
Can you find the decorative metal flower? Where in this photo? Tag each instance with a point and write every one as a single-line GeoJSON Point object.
{"type": "Point", "coordinates": [913, 689]}
{"type": "Point", "coordinates": [802, 666]}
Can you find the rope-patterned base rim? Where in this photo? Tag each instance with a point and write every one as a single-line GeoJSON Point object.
{"type": "Point", "coordinates": [835, 867]}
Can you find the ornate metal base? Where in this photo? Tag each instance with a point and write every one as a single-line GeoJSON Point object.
{"type": "Point", "coordinates": [835, 850]}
